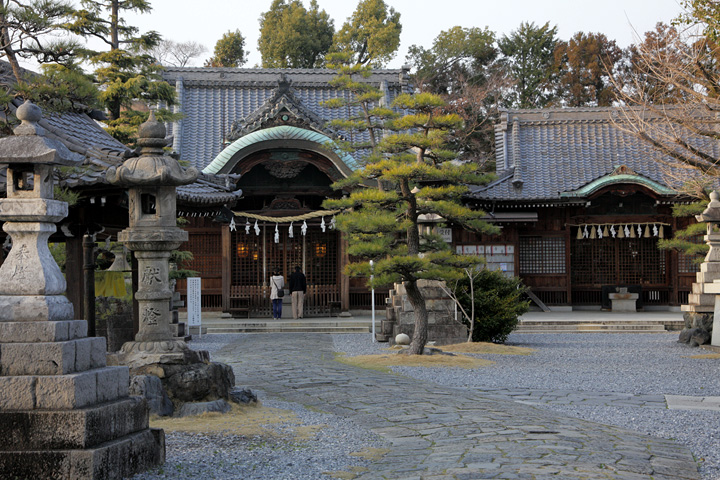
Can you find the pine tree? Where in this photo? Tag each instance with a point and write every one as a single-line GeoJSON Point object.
{"type": "Point", "coordinates": [126, 74]}
{"type": "Point", "coordinates": [383, 225]}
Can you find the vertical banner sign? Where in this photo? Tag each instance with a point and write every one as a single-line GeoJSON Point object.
{"type": "Point", "coordinates": [193, 302]}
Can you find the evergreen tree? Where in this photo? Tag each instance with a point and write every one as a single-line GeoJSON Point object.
{"type": "Point", "coordinates": [293, 37]}
{"type": "Point", "coordinates": [124, 73]}
{"type": "Point", "coordinates": [371, 35]}
{"type": "Point", "coordinates": [585, 66]}
{"type": "Point", "coordinates": [229, 51]}
{"type": "Point", "coordinates": [367, 119]}
{"type": "Point", "coordinates": [383, 225]}
{"type": "Point", "coordinates": [34, 29]}
{"type": "Point", "coordinates": [457, 56]}
{"type": "Point", "coordinates": [529, 56]}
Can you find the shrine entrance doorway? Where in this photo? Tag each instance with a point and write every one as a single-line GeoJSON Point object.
{"type": "Point", "coordinates": [254, 256]}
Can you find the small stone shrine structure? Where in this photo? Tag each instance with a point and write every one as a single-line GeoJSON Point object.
{"type": "Point", "coordinates": [623, 301]}
{"type": "Point", "coordinates": [443, 329]}
{"type": "Point", "coordinates": [63, 412]}
{"type": "Point", "coordinates": [710, 268]}
{"type": "Point", "coordinates": [152, 178]}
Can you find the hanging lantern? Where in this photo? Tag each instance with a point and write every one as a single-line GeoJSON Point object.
{"type": "Point", "coordinates": [243, 250]}
{"type": "Point", "coordinates": [621, 232]}
{"type": "Point", "coordinates": [647, 231]}
{"type": "Point", "coordinates": [592, 233]}
{"type": "Point", "coordinates": [579, 235]}
{"type": "Point", "coordinates": [320, 250]}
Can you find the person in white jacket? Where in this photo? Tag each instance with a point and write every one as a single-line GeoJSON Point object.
{"type": "Point", "coordinates": [277, 284]}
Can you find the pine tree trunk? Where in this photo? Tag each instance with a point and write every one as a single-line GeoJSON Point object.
{"type": "Point", "coordinates": [420, 335]}
{"type": "Point", "coordinates": [9, 50]}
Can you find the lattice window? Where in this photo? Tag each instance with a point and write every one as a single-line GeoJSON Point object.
{"type": "Point", "coordinates": [542, 255]}
{"type": "Point", "coordinates": [207, 253]}
{"type": "Point", "coordinates": [322, 257]}
{"type": "Point", "coordinates": [610, 261]}
{"type": "Point", "coordinates": [252, 266]}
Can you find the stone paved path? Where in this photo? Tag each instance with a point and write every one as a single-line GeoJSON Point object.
{"type": "Point", "coordinates": [443, 433]}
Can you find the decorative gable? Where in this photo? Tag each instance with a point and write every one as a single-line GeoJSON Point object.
{"type": "Point", "coordinates": [282, 108]}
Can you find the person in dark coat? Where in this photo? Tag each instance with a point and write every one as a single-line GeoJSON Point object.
{"type": "Point", "coordinates": [298, 288]}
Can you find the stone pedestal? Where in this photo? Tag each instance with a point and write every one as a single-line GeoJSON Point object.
{"type": "Point", "coordinates": [400, 315]}
{"type": "Point", "coordinates": [63, 412]}
{"type": "Point", "coordinates": [714, 288]}
{"type": "Point", "coordinates": [622, 301]}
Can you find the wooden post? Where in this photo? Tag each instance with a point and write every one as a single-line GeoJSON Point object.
{"type": "Point", "coordinates": [74, 274]}
{"type": "Point", "coordinates": [226, 266]}
{"type": "Point", "coordinates": [344, 279]}
{"type": "Point", "coordinates": [89, 280]}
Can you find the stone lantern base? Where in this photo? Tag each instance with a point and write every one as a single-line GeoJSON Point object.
{"type": "Point", "coordinates": [63, 412]}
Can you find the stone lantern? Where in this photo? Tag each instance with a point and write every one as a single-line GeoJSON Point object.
{"type": "Point", "coordinates": [63, 412]}
{"type": "Point", "coordinates": [151, 179]}
{"type": "Point", "coordinates": [711, 264]}
{"type": "Point", "coordinates": [33, 286]}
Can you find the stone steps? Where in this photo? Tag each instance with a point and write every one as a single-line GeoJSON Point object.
{"type": "Point", "coordinates": [286, 326]}
{"type": "Point", "coordinates": [605, 326]}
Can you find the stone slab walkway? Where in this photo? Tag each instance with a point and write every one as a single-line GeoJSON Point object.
{"type": "Point", "coordinates": [438, 433]}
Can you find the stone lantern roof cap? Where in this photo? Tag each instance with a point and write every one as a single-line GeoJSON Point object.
{"type": "Point", "coordinates": [712, 212]}
{"type": "Point", "coordinates": [152, 167]}
{"type": "Point", "coordinates": [29, 145]}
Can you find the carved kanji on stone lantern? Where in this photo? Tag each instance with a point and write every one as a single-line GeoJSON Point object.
{"type": "Point", "coordinates": [63, 412]}
{"type": "Point", "coordinates": [151, 179]}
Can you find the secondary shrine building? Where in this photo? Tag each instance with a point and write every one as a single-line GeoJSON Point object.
{"type": "Point", "coordinates": [581, 203]}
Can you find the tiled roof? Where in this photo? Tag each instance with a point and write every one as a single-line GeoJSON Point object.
{"type": "Point", "coordinates": [212, 99]}
{"type": "Point", "coordinates": [83, 135]}
{"type": "Point", "coordinates": [542, 154]}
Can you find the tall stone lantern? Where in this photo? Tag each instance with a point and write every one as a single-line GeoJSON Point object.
{"type": "Point", "coordinates": [711, 264]}
{"type": "Point", "coordinates": [151, 180]}
{"type": "Point", "coordinates": [63, 412]}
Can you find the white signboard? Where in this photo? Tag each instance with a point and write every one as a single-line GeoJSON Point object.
{"type": "Point", "coordinates": [193, 302]}
{"type": "Point", "coordinates": [446, 234]}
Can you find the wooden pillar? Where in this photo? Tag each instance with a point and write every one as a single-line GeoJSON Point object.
{"type": "Point", "coordinates": [74, 274]}
{"type": "Point", "coordinates": [88, 245]}
{"type": "Point", "coordinates": [568, 257]}
{"type": "Point", "coordinates": [226, 267]}
{"type": "Point", "coordinates": [344, 279]}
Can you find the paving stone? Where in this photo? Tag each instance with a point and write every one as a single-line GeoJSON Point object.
{"type": "Point", "coordinates": [438, 433]}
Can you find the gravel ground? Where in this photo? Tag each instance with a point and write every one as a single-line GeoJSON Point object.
{"type": "Point", "coordinates": [653, 364]}
{"type": "Point", "coordinates": [623, 363]}
{"type": "Point", "coordinates": [223, 456]}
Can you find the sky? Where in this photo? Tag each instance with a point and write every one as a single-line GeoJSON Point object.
{"type": "Point", "coordinates": [205, 21]}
